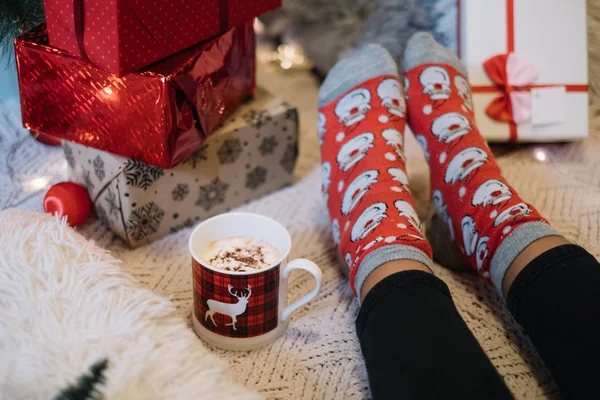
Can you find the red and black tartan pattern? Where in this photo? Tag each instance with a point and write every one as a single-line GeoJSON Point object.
{"type": "Point", "coordinates": [258, 317]}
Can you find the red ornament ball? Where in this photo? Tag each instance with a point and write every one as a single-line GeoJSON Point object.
{"type": "Point", "coordinates": [48, 140]}
{"type": "Point", "coordinates": [70, 199]}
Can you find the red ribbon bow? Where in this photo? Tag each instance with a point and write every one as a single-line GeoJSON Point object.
{"type": "Point", "coordinates": [514, 77]}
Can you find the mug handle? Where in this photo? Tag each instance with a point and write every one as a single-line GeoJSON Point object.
{"type": "Point", "coordinates": [306, 265]}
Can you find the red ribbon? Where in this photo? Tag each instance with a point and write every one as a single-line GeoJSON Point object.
{"type": "Point", "coordinates": [500, 108]}
{"type": "Point", "coordinates": [79, 16]}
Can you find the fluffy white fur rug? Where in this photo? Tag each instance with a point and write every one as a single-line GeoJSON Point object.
{"type": "Point", "coordinates": [65, 304]}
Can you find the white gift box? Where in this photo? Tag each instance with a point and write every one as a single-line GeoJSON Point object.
{"type": "Point", "coordinates": [549, 35]}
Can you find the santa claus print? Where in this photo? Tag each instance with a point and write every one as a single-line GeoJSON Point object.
{"type": "Point", "coordinates": [369, 219]}
{"type": "Point", "coordinates": [464, 91]}
{"type": "Point", "coordinates": [390, 93]}
{"type": "Point", "coordinates": [399, 176]}
{"type": "Point", "coordinates": [512, 213]}
{"type": "Point", "coordinates": [407, 211]}
{"type": "Point", "coordinates": [325, 179]}
{"type": "Point", "coordinates": [373, 242]}
{"type": "Point", "coordinates": [353, 107]}
{"type": "Point", "coordinates": [442, 211]}
{"type": "Point", "coordinates": [465, 163]}
{"type": "Point", "coordinates": [491, 192]}
{"type": "Point", "coordinates": [406, 87]}
{"type": "Point", "coordinates": [436, 83]}
{"type": "Point", "coordinates": [450, 126]}
{"type": "Point", "coordinates": [321, 121]}
{"type": "Point", "coordinates": [395, 139]}
{"type": "Point", "coordinates": [423, 143]}
{"type": "Point", "coordinates": [354, 150]}
{"type": "Point", "coordinates": [335, 231]}
{"type": "Point", "coordinates": [470, 235]}
{"type": "Point", "coordinates": [348, 259]}
{"type": "Point", "coordinates": [357, 189]}
{"type": "Point", "coordinates": [482, 252]}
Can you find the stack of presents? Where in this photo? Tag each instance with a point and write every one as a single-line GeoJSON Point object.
{"type": "Point", "coordinates": [160, 119]}
{"type": "Point", "coordinates": [157, 109]}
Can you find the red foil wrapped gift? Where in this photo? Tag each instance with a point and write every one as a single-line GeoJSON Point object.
{"type": "Point", "coordinates": [159, 116]}
{"type": "Point", "coordinates": [123, 36]}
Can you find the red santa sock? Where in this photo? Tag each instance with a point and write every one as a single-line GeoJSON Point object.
{"type": "Point", "coordinates": [361, 130]}
{"type": "Point", "coordinates": [485, 218]}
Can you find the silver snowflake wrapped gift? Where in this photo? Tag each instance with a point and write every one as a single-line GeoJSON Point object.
{"type": "Point", "coordinates": [229, 151]}
{"type": "Point", "coordinates": [256, 178]}
{"type": "Point", "coordinates": [68, 150]}
{"type": "Point", "coordinates": [247, 158]}
{"type": "Point", "coordinates": [180, 192]}
{"type": "Point", "coordinates": [141, 175]}
{"type": "Point", "coordinates": [212, 194]}
{"type": "Point", "coordinates": [99, 168]}
{"type": "Point", "coordinates": [144, 221]}
{"type": "Point", "coordinates": [268, 145]}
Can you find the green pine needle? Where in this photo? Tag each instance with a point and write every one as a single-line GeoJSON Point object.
{"type": "Point", "coordinates": [17, 17]}
{"type": "Point", "coordinates": [86, 387]}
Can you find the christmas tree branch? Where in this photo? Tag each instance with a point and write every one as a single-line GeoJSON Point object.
{"type": "Point", "coordinates": [17, 17]}
{"type": "Point", "coordinates": [87, 386]}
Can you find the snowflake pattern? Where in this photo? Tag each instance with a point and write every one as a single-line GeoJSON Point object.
{"type": "Point", "coordinates": [289, 157]}
{"type": "Point", "coordinates": [141, 175]}
{"type": "Point", "coordinates": [180, 192]}
{"type": "Point", "coordinates": [111, 200]}
{"type": "Point", "coordinates": [212, 194]}
{"type": "Point", "coordinates": [68, 150]}
{"type": "Point", "coordinates": [144, 221]}
{"type": "Point", "coordinates": [186, 224]}
{"type": "Point", "coordinates": [197, 156]}
{"type": "Point", "coordinates": [268, 145]}
{"type": "Point", "coordinates": [99, 168]}
{"type": "Point", "coordinates": [257, 118]}
{"type": "Point", "coordinates": [256, 178]}
{"type": "Point", "coordinates": [229, 151]}
{"type": "Point", "coordinates": [87, 181]}
{"type": "Point", "coordinates": [291, 114]}
{"type": "Point", "coordinates": [101, 213]}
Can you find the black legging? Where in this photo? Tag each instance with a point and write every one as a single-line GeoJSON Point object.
{"type": "Point", "coordinates": [416, 345]}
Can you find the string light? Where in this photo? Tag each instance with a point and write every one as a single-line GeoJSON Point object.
{"type": "Point", "coordinates": [540, 155]}
{"type": "Point", "coordinates": [36, 184]}
{"type": "Point", "coordinates": [286, 56]}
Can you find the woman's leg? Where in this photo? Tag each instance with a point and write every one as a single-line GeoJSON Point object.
{"type": "Point", "coordinates": [556, 298]}
{"type": "Point", "coordinates": [553, 286]}
{"type": "Point", "coordinates": [414, 342]}
{"type": "Point", "coordinates": [416, 345]}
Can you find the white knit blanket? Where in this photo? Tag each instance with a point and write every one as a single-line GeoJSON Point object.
{"type": "Point", "coordinates": [319, 357]}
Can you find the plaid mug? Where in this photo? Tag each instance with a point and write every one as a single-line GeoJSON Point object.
{"type": "Point", "coordinates": [244, 310]}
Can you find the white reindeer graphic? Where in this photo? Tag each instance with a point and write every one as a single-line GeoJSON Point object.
{"type": "Point", "coordinates": [230, 309]}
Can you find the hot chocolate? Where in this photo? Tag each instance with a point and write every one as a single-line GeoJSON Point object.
{"type": "Point", "coordinates": [240, 254]}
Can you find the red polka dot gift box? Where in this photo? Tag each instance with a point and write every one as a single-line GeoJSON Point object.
{"type": "Point", "coordinates": [158, 116]}
{"type": "Point", "coordinates": [122, 36]}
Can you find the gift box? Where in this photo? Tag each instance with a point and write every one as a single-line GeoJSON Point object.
{"type": "Point", "coordinates": [527, 64]}
{"type": "Point", "coordinates": [253, 154]}
{"type": "Point", "coordinates": [158, 116]}
{"type": "Point", "coordinates": [122, 36]}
